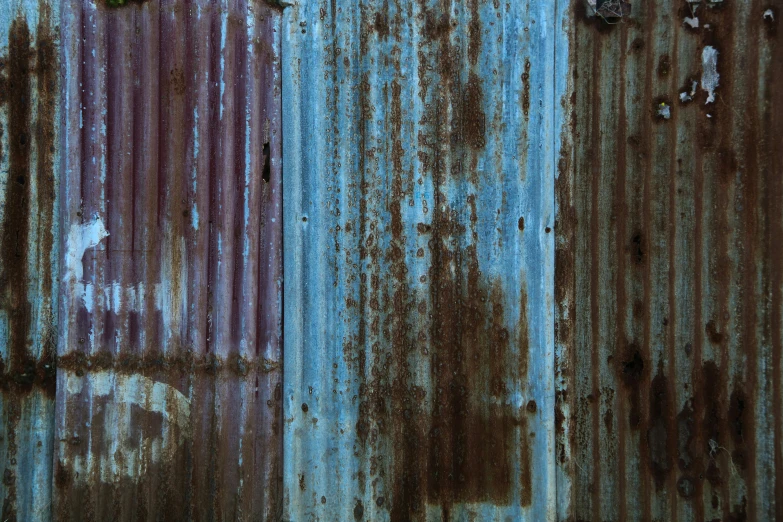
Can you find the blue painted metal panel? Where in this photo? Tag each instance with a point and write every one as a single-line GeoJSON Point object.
{"type": "Point", "coordinates": [419, 156]}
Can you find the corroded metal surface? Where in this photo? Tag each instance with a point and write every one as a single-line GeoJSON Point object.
{"type": "Point", "coordinates": [668, 266]}
{"type": "Point", "coordinates": [168, 400]}
{"type": "Point", "coordinates": [420, 148]}
{"type": "Point", "coordinates": [28, 255]}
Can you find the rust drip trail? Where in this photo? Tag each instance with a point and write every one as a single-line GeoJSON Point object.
{"type": "Point", "coordinates": [22, 203]}
{"type": "Point", "coordinates": [16, 228]}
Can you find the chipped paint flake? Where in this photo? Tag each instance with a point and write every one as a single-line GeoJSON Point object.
{"type": "Point", "coordinates": [664, 111]}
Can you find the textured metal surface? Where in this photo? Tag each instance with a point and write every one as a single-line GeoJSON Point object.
{"type": "Point", "coordinates": [669, 276]}
{"type": "Point", "coordinates": [168, 401]}
{"type": "Point", "coordinates": [420, 147]}
{"type": "Point", "coordinates": [28, 255]}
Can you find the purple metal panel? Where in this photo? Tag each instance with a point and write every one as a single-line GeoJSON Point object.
{"type": "Point", "coordinates": [669, 276]}
{"type": "Point", "coordinates": [168, 401]}
{"type": "Point", "coordinates": [28, 258]}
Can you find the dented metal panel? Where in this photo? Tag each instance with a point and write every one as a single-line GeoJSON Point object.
{"type": "Point", "coordinates": [168, 401]}
{"type": "Point", "coordinates": [28, 255]}
{"type": "Point", "coordinates": [420, 146]}
{"type": "Point", "coordinates": [669, 281]}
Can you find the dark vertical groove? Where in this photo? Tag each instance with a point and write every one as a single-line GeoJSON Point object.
{"type": "Point", "coordinates": [646, 345]}
{"type": "Point", "coordinates": [619, 212]}
{"type": "Point", "coordinates": [238, 293]}
{"type": "Point", "coordinates": [697, 377]}
{"type": "Point", "coordinates": [774, 233]}
{"type": "Point", "coordinates": [111, 119]}
{"type": "Point", "coordinates": [746, 423]}
{"type": "Point", "coordinates": [595, 177]}
{"type": "Point", "coordinates": [213, 169]}
{"type": "Point", "coordinates": [212, 159]}
{"type": "Point", "coordinates": [672, 391]}
{"type": "Point", "coordinates": [722, 231]}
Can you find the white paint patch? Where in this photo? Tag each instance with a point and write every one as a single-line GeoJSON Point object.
{"type": "Point", "coordinates": [709, 72]}
{"type": "Point", "coordinates": [80, 238]}
{"type": "Point", "coordinates": [693, 22]}
{"type": "Point", "coordinates": [128, 457]}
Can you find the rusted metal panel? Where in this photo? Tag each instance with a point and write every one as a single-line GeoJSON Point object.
{"type": "Point", "coordinates": [420, 147]}
{"type": "Point", "coordinates": [28, 255]}
{"type": "Point", "coordinates": [168, 401]}
{"type": "Point", "coordinates": [668, 267]}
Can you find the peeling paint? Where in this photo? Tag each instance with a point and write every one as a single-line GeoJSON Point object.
{"type": "Point", "coordinates": [709, 74]}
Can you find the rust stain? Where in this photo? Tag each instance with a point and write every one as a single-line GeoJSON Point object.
{"type": "Point", "coordinates": [657, 433]}
{"type": "Point", "coordinates": [473, 119]}
{"type": "Point", "coordinates": [526, 89]}
{"type": "Point", "coordinates": [16, 227]}
{"type": "Point", "coordinates": [474, 32]}
{"type": "Point", "coordinates": [458, 444]}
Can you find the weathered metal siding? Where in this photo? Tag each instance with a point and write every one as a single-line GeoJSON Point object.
{"type": "Point", "coordinates": [669, 276]}
{"type": "Point", "coordinates": [168, 399]}
{"type": "Point", "coordinates": [28, 254]}
{"type": "Point", "coordinates": [420, 148]}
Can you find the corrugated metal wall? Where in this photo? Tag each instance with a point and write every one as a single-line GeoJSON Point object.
{"type": "Point", "coordinates": [532, 260]}
{"type": "Point", "coordinates": [168, 399]}
{"type": "Point", "coordinates": [28, 254]}
{"type": "Point", "coordinates": [419, 204]}
{"type": "Point", "coordinates": [668, 266]}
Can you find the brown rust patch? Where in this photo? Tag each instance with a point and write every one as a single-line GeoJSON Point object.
{"type": "Point", "coordinates": [637, 249]}
{"type": "Point", "coordinates": [712, 417]}
{"type": "Point", "coordinates": [713, 334]}
{"type": "Point", "coordinates": [685, 432]}
{"type": "Point", "coordinates": [25, 371]}
{"type": "Point", "coordinates": [657, 434]}
{"type": "Point", "coordinates": [632, 372]}
{"type": "Point", "coordinates": [474, 32]}
{"type": "Point", "coordinates": [381, 24]}
{"type": "Point", "coordinates": [738, 418]}
{"type": "Point", "coordinates": [469, 114]}
{"type": "Point", "coordinates": [458, 445]}
{"type": "Point", "coordinates": [526, 89]}
{"type": "Point", "coordinates": [469, 441]}
{"type": "Point", "coordinates": [525, 447]}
